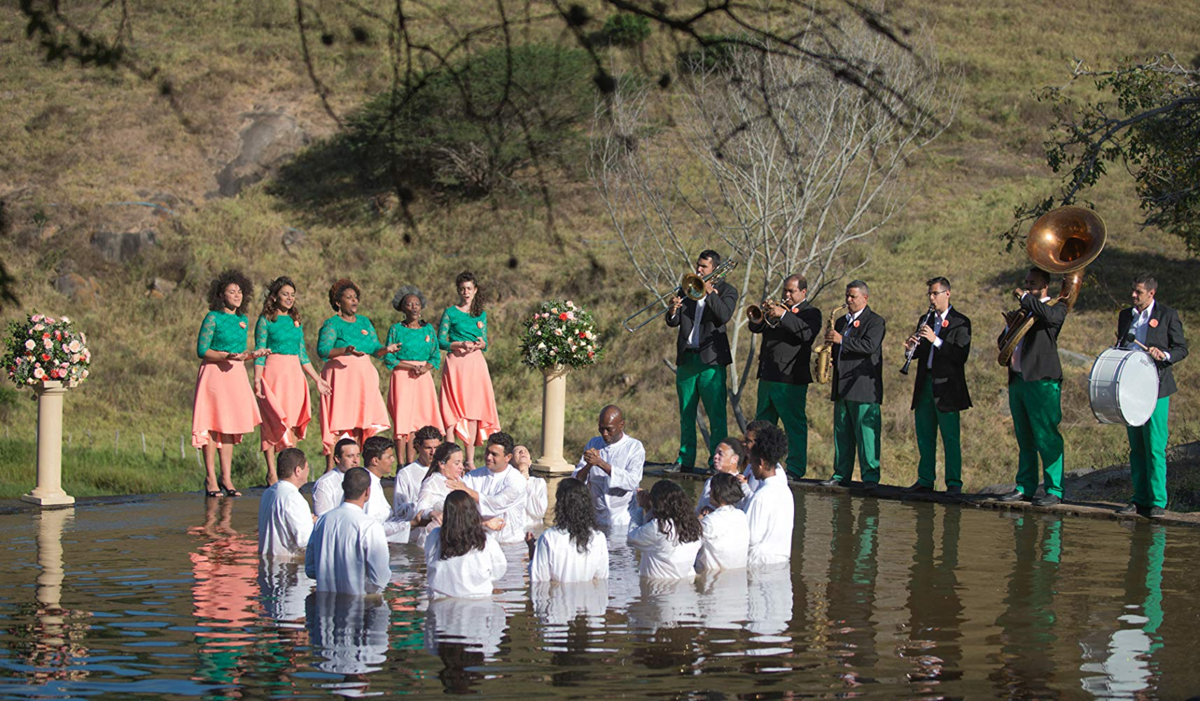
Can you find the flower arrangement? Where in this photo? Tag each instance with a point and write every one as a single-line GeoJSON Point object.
{"type": "Point", "coordinates": [42, 349]}
{"type": "Point", "coordinates": [560, 333]}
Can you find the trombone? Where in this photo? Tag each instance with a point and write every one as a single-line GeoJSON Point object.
{"type": "Point", "coordinates": [691, 286]}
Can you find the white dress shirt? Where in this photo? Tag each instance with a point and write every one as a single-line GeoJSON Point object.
{"type": "Point", "coordinates": [408, 490]}
{"type": "Point", "coordinates": [327, 492]}
{"type": "Point", "coordinates": [1139, 325]}
{"type": "Point", "coordinates": [470, 576]}
{"type": "Point", "coordinates": [284, 521]}
{"type": "Point", "coordinates": [612, 493]}
{"type": "Point", "coordinates": [662, 556]}
{"type": "Point", "coordinates": [556, 559]}
{"type": "Point", "coordinates": [936, 324]}
{"type": "Point", "coordinates": [396, 530]}
{"type": "Point", "coordinates": [771, 513]}
{"type": "Point", "coordinates": [693, 341]}
{"type": "Point", "coordinates": [705, 501]}
{"type": "Point", "coordinates": [501, 494]}
{"type": "Point", "coordinates": [726, 541]}
{"type": "Point", "coordinates": [348, 553]}
{"type": "Point", "coordinates": [536, 501]}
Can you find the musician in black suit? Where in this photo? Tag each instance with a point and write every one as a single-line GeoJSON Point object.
{"type": "Point", "coordinates": [857, 388]}
{"type": "Point", "coordinates": [788, 331]}
{"type": "Point", "coordinates": [1158, 329]}
{"type": "Point", "coordinates": [942, 345]}
{"type": "Point", "coordinates": [1035, 393]}
{"type": "Point", "coordinates": [701, 356]}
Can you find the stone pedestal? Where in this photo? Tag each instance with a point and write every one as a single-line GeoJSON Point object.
{"type": "Point", "coordinates": [554, 408]}
{"type": "Point", "coordinates": [48, 491]}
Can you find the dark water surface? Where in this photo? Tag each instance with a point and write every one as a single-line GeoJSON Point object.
{"type": "Point", "coordinates": [882, 599]}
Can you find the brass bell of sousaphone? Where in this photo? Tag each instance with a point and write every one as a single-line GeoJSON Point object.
{"type": "Point", "coordinates": [1062, 241]}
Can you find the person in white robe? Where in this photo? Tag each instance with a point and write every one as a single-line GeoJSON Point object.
{"type": "Point", "coordinates": [725, 529]}
{"type": "Point", "coordinates": [574, 549]}
{"type": "Point", "coordinates": [378, 455]}
{"type": "Point", "coordinates": [666, 533]}
{"type": "Point", "coordinates": [447, 464]}
{"type": "Point", "coordinates": [407, 489]}
{"type": "Point", "coordinates": [348, 553]}
{"type": "Point", "coordinates": [327, 491]}
{"type": "Point", "coordinates": [748, 440]}
{"type": "Point", "coordinates": [536, 497]}
{"type": "Point", "coordinates": [771, 509]}
{"type": "Point", "coordinates": [461, 561]}
{"type": "Point", "coordinates": [730, 458]}
{"type": "Point", "coordinates": [284, 520]}
{"type": "Point", "coordinates": [498, 488]}
{"type": "Point", "coordinates": [612, 466]}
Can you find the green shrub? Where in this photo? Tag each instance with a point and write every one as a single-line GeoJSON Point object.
{"type": "Point", "coordinates": [470, 127]}
{"type": "Point", "coordinates": [625, 29]}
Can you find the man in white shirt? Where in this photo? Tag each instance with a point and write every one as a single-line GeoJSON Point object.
{"type": "Point", "coordinates": [499, 488]}
{"type": "Point", "coordinates": [348, 553]}
{"type": "Point", "coordinates": [378, 455]}
{"type": "Point", "coordinates": [284, 520]}
{"type": "Point", "coordinates": [611, 466]}
{"type": "Point", "coordinates": [409, 478]}
{"type": "Point", "coordinates": [771, 510]}
{"type": "Point", "coordinates": [327, 491]}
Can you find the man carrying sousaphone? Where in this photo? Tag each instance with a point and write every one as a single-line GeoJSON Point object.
{"type": "Point", "coordinates": [1158, 329]}
{"type": "Point", "coordinates": [1035, 393]}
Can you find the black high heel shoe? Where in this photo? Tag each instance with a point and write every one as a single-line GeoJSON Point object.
{"type": "Point", "coordinates": [229, 491]}
{"type": "Point", "coordinates": [209, 494]}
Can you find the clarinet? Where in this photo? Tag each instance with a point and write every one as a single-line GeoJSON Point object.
{"type": "Point", "coordinates": [911, 353]}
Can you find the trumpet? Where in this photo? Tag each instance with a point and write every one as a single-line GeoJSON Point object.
{"type": "Point", "coordinates": [691, 286]}
{"type": "Point", "coordinates": [912, 352]}
{"type": "Point", "coordinates": [757, 313]}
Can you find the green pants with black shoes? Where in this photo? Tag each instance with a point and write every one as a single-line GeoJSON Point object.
{"type": "Point", "coordinates": [695, 383]}
{"type": "Point", "coordinates": [779, 400]}
{"type": "Point", "coordinates": [929, 421]}
{"type": "Point", "coordinates": [1036, 412]}
{"type": "Point", "coordinates": [1148, 458]}
{"type": "Point", "coordinates": [856, 428]}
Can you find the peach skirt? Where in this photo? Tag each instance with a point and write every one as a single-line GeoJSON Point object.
{"type": "Point", "coordinates": [467, 395]}
{"type": "Point", "coordinates": [287, 404]}
{"type": "Point", "coordinates": [224, 404]}
{"type": "Point", "coordinates": [355, 404]}
{"type": "Point", "coordinates": [413, 403]}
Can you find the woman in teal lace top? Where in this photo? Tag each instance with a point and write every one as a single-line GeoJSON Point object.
{"type": "Point", "coordinates": [223, 408]}
{"type": "Point", "coordinates": [347, 342]}
{"type": "Point", "coordinates": [279, 380]}
{"type": "Point", "coordinates": [468, 401]}
{"type": "Point", "coordinates": [412, 397]}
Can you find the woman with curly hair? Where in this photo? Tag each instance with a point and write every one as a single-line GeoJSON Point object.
{"type": "Point", "coordinates": [574, 549]}
{"type": "Point", "coordinates": [468, 401]}
{"type": "Point", "coordinates": [412, 399]}
{"type": "Point", "coordinates": [353, 405]}
{"type": "Point", "coordinates": [279, 380]}
{"type": "Point", "coordinates": [666, 532]}
{"type": "Point", "coordinates": [460, 560]}
{"type": "Point", "coordinates": [223, 408]}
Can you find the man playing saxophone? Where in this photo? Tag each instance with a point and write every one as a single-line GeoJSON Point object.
{"type": "Point", "coordinates": [942, 346]}
{"type": "Point", "coordinates": [857, 389]}
{"type": "Point", "coordinates": [788, 332]}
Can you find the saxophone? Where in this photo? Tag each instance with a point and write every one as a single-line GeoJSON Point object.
{"type": "Point", "coordinates": [822, 359]}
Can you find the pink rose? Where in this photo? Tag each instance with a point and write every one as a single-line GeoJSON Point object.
{"type": "Point", "coordinates": [36, 317]}
{"type": "Point", "coordinates": [479, 324]}
{"type": "Point", "coordinates": [30, 345]}
{"type": "Point", "coordinates": [39, 373]}
{"type": "Point", "coordinates": [242, 324]}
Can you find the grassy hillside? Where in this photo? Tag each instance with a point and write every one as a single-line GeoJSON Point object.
{"type": "Point", "coordinates": [79, 142]}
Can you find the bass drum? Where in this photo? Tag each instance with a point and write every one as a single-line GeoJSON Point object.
{"type": "Point", "coordinates": [1123, 387]}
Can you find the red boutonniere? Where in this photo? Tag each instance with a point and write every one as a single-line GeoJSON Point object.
{"type": "Point", "coordinates": [856, 322]}
{"type": "Point", "coordinates": [1154, 323]}
{"type": "Point", "coordinates": [427, 339]}
{"type": "Point", "coordinates": [242, 324]}
{"type": "Point", "coordinates": [479, 324]}
{"type": "Point", "coordinates": [945, 323]}
{"type": "Point", "coordinates": [296, 324]}
{"type": "Point", "coordinates": [364, 332]}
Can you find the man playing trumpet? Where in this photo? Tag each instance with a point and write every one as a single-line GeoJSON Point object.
{"type": "Point", "coordinates": [788, 330]}
{"type": "Point", "coordinates": [940, 349]}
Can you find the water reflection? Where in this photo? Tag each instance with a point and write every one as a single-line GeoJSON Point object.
{"type": "Point", "coordinates": [349, 637]}
{"type": "Point", "coordinates": [52, 645]}
{"type": "Point", "coordinates": [853, 570]}
{"type": "Point", "coordinates": [934, 605]}
{"type": "Point", "coordinates": [465, 634]}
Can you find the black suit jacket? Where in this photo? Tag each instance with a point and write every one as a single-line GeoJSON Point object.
{"type": "Point", "coordinates": [858, 359]}
{"type": "Point", "coordinates": [787, 347]}
{"type": "Point", "coordinates": [949, 364]}
{"type": "Point", "coordinates": [1039, 348]}
{"type": "Point", "coordinates": [1164, 333]}
{"type": "Point", "coordinates": [718, 310]}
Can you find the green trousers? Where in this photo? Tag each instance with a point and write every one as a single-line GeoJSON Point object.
{"type": "Point", "coordinates": [779, 400]}
{"type": "Point", "coordinates": [1036, 412]}
{"type": "Point", "coordinates": [1148, 457]}
{"type": "Point", "coordinates": [856, 425]}
{"type": "Point", "coordinates": [695, 383]}
{"type": "Point", "coordinates": [929, 421]}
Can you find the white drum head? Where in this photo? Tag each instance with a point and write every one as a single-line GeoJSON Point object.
{"type": "Point", "coordinates": [1123, 387]}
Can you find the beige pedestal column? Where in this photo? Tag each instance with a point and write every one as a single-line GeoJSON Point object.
{"type": "Point", "coordinates": [554, 409]}
{"type": "Point", "coordinates": [48, 491]}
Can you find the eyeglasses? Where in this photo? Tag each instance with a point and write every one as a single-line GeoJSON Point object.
{"type": "Point", "coordinates": [935, 293]}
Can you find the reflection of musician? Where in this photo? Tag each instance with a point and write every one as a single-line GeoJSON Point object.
{"type": "Point", "coordinates": [701, 356]}
{"type": "Point", "coordinates": [788, 331]}
{"type": "Point", "coordinates": [1035, 393]}
{"type": "Point", "coordinates": [1158, 328]}
{"type": "Point", "coordinates": [857, 388]}
{"type": "Point", "coordinates": [942, 345]}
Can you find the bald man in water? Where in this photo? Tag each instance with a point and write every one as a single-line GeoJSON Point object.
{"type": "Point", "coordinates": [612, 468]}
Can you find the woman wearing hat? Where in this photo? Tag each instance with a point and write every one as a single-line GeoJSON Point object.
{"type": "Point", "coordinates": [412, 397]}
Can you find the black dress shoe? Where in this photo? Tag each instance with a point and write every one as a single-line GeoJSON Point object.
{"type": "Point", "coordinates": [954, 490]}
{"type": "Point", "coordinates": [1156, 512]}
{"type": "Point", "coordinates": [1048, 500]}
{"type": "Point", "coordinates": [1129, 509]}
{"type": "Point", "coordinates": [832, 482]}
{"type": "Point", "coordinates": [1014, 495]}
{"type": "Point", "coordinates": [869, 486]}
{"type": "Point", "coordinates": [918, 488]}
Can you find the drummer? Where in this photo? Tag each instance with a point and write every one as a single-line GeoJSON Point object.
{"type": "Point", "coordinates": [1156, 328]}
